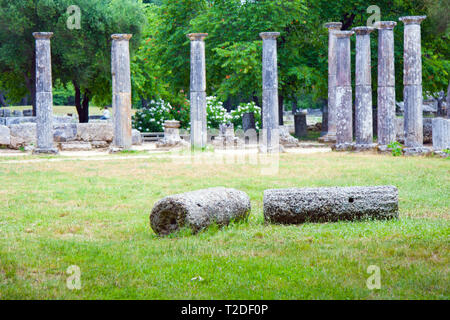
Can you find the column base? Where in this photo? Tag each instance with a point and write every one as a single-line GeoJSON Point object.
{"type": "Point", "coordinates": [343, 147]}
{"type": "Point", "coordinates": [115, 149]}
{"type": "Point", "coordinates": [329, 137]}
{"type": "Point", "coordinates": [42, 151]}
{"type": "Point", "coordinates": [365, 147]}
{"type": "Point", "coordinates": [417, 151]}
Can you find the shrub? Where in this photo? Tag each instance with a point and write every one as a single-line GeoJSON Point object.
{"type": "Point", "coordinates": [236, 115]}
{"type": "Point", "coordinates": [396, 148]}
{"type": "Point", "coordinates": [216, 113]}
{"type": "Point", "coordinates": [151, 118]}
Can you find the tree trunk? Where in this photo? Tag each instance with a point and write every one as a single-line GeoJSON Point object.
{"type": "Point", "coordinates": [294, 105]}
{"type": "Point", "coordinates": [81, 106]}
{"type": "Point", "coordinates": [2, 100]}
{"type": "Point", "coordinates": [280, 110]}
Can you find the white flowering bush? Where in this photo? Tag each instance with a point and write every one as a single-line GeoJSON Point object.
{"type": "Point", "coordinates": [236, 114]}
{"type": "Point", "coordinates": [216, 113]}
{"type": "Point", "coordinates": [151, 118]}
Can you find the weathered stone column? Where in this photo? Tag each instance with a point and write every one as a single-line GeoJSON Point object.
{"type": "Point", "coordinates": [441, 134]}
{"type": "Point", "coordinates": [344, 121]}
{"type": "Point", "coordinates": [331, 121]}
{"type": "Point", "coordinates": [271, 134]}
{"type": "Point", "coordinates": [412, 81]}
{"type": "Point", "coordinates": [198, 90]}
{"type": "Point", "coordinates": [363, 88]}
{"type": "Point", "coordinates": [386, 82]}
{"type": "Point", "coordinates": [44, 96]}
{"type": "Point", "coordinates": [121, 84]}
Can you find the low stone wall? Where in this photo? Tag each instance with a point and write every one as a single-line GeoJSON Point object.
{"type": "Point", "coordinates": [67, 136]}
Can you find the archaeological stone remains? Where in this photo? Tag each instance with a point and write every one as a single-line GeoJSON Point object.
{"type": "Point", "coordinates": [330, 136]}
{"type": "Point", "coordinates": [121, 87]}
{"type": "Point", "coordinates": [412, 80]}
{"type": "Point", "coordinates": [44, 95]}
{"type": "Point", "coordinates": [441, 134]}
{"type": "Point", "coordinates": [300, 205]}
{"type": "Point", "coordinates": [198, 90]}
{"type": "Point", "coordinates": [344, 96]}
{"type": "Point", "coordinates": [199, 209]}
{"type": "Point", "coordinates": [363, 89]}
{"type": "Point", "coordinates": [271, 135]}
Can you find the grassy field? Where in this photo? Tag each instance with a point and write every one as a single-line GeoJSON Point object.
{"type": "Point", "coordinates": [95, 215]}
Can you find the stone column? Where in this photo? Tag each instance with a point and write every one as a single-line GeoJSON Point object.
{"type": "Point", "coordinates": [44, 96]}
{"type": "Point", "coordinates": [121, 84]}
{"type": "Point", "coordinates": [198, 90]}
{"type": "Point", "coordinates": [386, 82]}
{"type": "Point", "coordinates": [344, 120]}
{"type": "Point", "coordinates": [301, 127]}
{"type": "Point", "coordinates": [363, 87]}
{"type": "Point", "coordinates": [271, 134]}
{"type": "Point", "coordinates": [331, 121]}
{"type": "Point", "coordinates": [412, 81]}
{"type": "Point", "coordinates": [441, 134]}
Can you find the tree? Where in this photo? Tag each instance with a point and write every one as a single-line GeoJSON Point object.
{"type": "Point", "coordinates": [79, 56]}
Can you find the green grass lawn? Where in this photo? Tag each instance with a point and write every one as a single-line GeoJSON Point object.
{"type": "Point", "coordinates": [95, 214]}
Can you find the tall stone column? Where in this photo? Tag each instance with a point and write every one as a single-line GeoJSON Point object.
{"type": "Point", "coordinates": [386, 82]}
{"type": "Point", "coordinates": [121, 84]}
{"type": "Point", "coordinates": [198, 90]}
{"type": "Point", "coordinates": [271, 134]}
{"type": "Point", "coordinates": [412, 81]}
{"type": "Point", "coordinates": [44, 96]}
{"type": "Point", "coordinates": [331, 121]}
{"type": "Point", "coordinates": [344, 120]}
{"type": "Point", "coordinates": [363, 87]}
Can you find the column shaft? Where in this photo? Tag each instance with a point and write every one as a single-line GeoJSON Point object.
{"type": "Point", "coordinates": [386, 82]}
{"type": "Point", "coordinates": [271, 135]}
{"type": "Point", "coordinates": [412, 81]}
{"type": "Point", "coordinates": [344, 125]}
{"type": "Point", "coordinates": [121, 83]}
{"type": "Point", "coordinates": [332, 62]}
{"type": "Point", "coordinates": [198, 90]}
{"type": "Point", "coordinates": [44, 96]}
{"type": "Point", "coordinates": [363, 87]}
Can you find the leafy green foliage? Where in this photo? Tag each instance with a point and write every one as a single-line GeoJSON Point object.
{"type": "Point", "coordinates": [396, 148]}
{"type": "Point", "coordinates": [246, 108]}
{"type": "Point", "coordinates": [216, 113]}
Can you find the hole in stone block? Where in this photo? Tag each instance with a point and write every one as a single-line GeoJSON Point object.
{"type": "Point", "coordinates": [351, 199]}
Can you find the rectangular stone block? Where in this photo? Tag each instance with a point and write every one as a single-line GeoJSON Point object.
{"type": "Point", "coordinates": [344, 119]}
{"type": "Point", "coordinates": [363, 115]}
{"type": "Point", "coordinates": [441, 134]}
{"type": "Point", "coordinates": [386, 115]}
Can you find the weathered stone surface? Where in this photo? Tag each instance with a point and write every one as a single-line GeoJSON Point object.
{"type": "Point", "coordinates": [199, 209]}
{"type": "Point", "coordinates": [121, 79]}
{"type": "Point", "coordinates": [75, 146]}
{"type": "Point", "coordinates": [417, 151]}
{"type": "Point", "coordinates": [94, 132]}
{"type": "Point", "coordinates": [136, 137]}
{"type": "Point", "coordinates": [171, 135]}
{"type": "Point", "coordinates": [5, 135]}
{"type": "Point", "coordinates": [412, 80]}
{"type": "Point", "coordinates": [427, 130]}
{"type": "Point", "coordinates": [44, 96]}
{"type": "Point", "coordinates": [441, 134]}
{"type": "Point", "coordinates": [99, 144]}
{"type": "Point", "coordinates": [330, 136]}
{"type": "Point", "coordinates": [271, 134]}
{"type": "Point", "coordinates": [286, 139]}
{"type": "Point", "coordinates": [363, 88]}
{"type": "Point", "coordinates": [344, 121]}
{"type": "Point", "coordinates": [18, 120]}
{"type": "Point", "coordinates": [248, 121]}
{"type": "Point", "coordinates": [23, 135]}
{"type": "Point", "coordinates": [64, 132]}
{"type": "Point", "coordinates": [299, 205]}
{"type": "Point", "coordinates": [198, 90]}
{"type": "Point", "coordinates": [386, 82]}
{"type": "Point", "coordinates": [301, 126]}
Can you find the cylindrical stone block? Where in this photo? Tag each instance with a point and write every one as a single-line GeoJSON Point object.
{"type": "Point", "coordinates": [332, 68]}
{"type": "Point", "coordinates": [44, 96]}
{"type": "Point", "coordinates": [363, 87]}
{"type": "Point", "coordinates": [248, 121]}
{"type": "Point", "coordinates": [198, 90]}
{"type": "Point", "coordinates": [441, 134]}
{"type": "Point", "coordinates": [121, 86]}
{"type": "Point", "coordinates": [386, 82]}
{"type": "Point", "coordinates": [300, 205]}
{"type": "Point", "coordinates": [270, 141]}
{"type": "Point", "coordinates": [344, 121]}
{"type": "Point", "coordinates": [199, 209]}
{"type": "Point", "coordinates": [412, 81]}
{"type": "Point", "coordinates": [301, 127]}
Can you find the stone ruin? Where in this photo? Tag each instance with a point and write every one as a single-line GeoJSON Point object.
{"type": "Point", "coordinates": [226, 138]}
{"type": "Point", "coordinates": [171, 135]}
